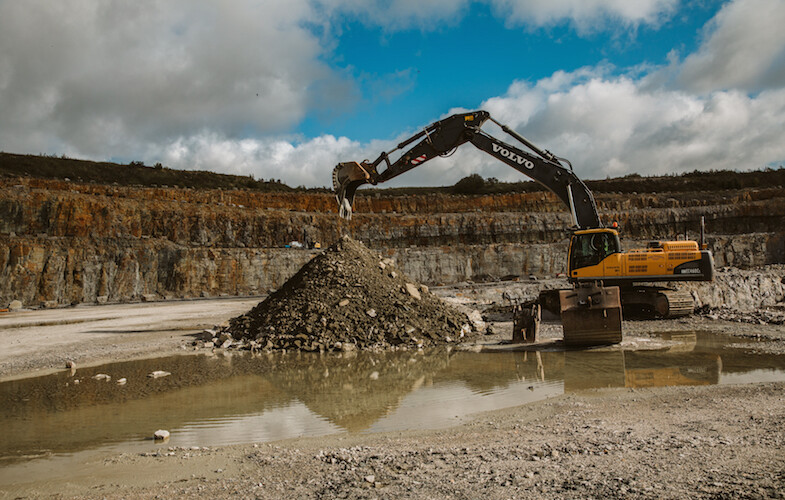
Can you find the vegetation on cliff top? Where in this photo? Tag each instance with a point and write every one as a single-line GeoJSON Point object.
{"type": "Point", "coordinates": [133, 174]}
{"type": "Point", "coordinates": [138, 174]}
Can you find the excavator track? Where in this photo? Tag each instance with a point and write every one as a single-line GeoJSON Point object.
{"type": "Point", "coordinates": [659, 302]}
{"type": "Point", "coordinates": [680, 303]}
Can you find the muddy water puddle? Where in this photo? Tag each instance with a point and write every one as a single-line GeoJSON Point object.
{"type": "Point", "coordinates": [214, 400]}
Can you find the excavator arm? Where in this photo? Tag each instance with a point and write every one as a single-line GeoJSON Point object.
{"type": "Point", "coordinates": [441, 138]}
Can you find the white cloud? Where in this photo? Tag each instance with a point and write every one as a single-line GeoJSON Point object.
{"type": "Point", "coordinates": [744, 48]}
{"type": "Point", "coordinates": [104, 78]}
{"type": "Point", "coordinates": [308, 162]}
{"type": "Point", "coordinates": [614, 126]}
{"type": "Point", "coordinates": [585, 15]}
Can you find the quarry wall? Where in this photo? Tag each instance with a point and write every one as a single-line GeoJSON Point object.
{"type": "Point", "coordinates": [67, 243]}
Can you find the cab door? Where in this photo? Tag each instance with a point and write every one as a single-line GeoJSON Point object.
{"type": "Point", "coordinates": [595, 255]}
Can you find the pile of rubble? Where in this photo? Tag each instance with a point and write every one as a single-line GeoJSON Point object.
{"type": "Point", "coordinates": [763, 316]}
{"type": "Point", "coordinates": [348, 298]}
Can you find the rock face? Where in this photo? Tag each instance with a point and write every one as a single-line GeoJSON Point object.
{"type": "Point", "coordinates": [64, 243]}
{"type": "Point", "coordinates": [349, 297]}
{"type": "Point", "coordinates": [78, 270]}
{"type": "Point", "coordinates": [741, 290]}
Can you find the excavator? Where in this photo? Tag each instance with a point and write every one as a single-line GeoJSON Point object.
{"type": "Point", "coordinates": [603, 277]}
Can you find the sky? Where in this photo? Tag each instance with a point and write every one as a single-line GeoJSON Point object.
{"type": "Point", "coordinates": [286, 89]}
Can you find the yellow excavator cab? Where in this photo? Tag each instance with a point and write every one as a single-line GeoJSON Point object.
{"type": "Point", "coordinates": [589, 248]}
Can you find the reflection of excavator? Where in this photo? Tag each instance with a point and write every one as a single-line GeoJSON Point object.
{"type": "Point", "coordinates": [590, 312]}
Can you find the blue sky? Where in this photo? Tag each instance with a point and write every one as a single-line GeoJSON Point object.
{"type": "Point", "coordinates": [426, 72]}
{"type": "Point", "coordinates": [286, 89]}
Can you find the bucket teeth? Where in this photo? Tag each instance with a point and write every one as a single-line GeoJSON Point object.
{"type": "Point", "coordinates": [347, 177]}
{"type": "Point", "coordinates": [345, 209]}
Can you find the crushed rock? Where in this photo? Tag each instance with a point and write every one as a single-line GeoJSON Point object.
{"type": "Point", "coordinates": [763, 316]}
{"type": "Point", "coordinates": [345, 298]}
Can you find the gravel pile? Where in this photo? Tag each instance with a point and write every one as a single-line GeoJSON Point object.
{"type": "Point", "coordinates": [349, 298]}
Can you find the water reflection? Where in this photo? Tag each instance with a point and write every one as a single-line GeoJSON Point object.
{"type": "Point", "coordinates": [224, 399]}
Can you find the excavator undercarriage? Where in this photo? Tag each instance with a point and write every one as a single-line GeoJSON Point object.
{"type": "Point", "coordinates": [643, 302]}
{"type": "Point", "coordinates": [657, 302]}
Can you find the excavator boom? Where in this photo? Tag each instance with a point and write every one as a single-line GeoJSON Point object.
{"type": "Point", "coordinates": [441, 138]}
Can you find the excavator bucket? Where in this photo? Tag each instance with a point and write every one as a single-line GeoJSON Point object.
{"type": "Point", "coordinates": [347, 177]}
{"type": "Point", "coordinates": [591, 315]}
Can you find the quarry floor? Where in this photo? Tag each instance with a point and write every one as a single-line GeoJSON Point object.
{"type": "Point", "coordinates": [37, 342]}
{"type": "Point", "coordinates": [672, 442]}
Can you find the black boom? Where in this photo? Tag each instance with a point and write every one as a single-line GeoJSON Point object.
{"type": "Point", "coordinates": [442, 137]}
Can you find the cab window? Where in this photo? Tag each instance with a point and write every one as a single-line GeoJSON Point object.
{"type": "Point", "coordinates": [591, 249]}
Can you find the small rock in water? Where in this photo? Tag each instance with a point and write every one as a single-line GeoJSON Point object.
{"type": "Point", "coordinates": [102, 376]}
{"type": "Point", "coordinates": [70, 365]}
{"type": "Point", "coordinates": [121, 381]}
{"type": "Point", "coordinates": [158, 374]}
{"type": "Point", "coordinates": [161, 435]}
